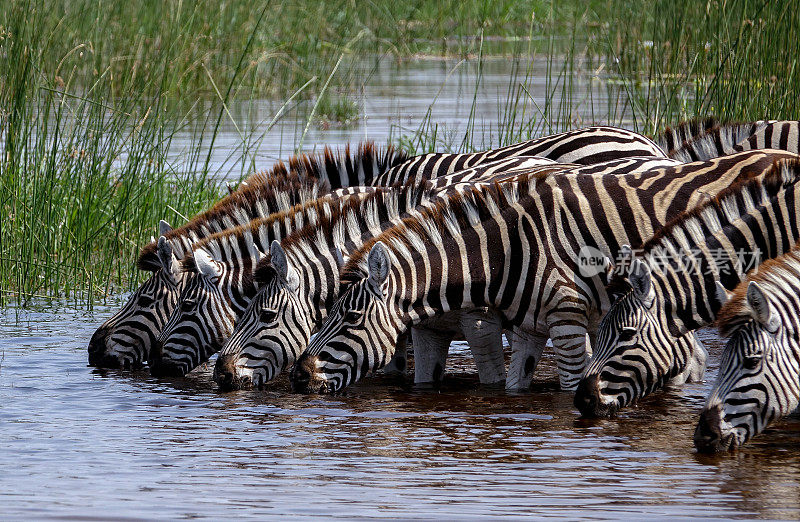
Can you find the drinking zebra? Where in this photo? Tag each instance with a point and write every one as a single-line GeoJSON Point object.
{"type": "Point", "coordinates": [124, 340]}
{"type": "Point", "coordinates": [516, 247]}
{"type": "Point", "coordinates": [759, 374]}
{"type": "Point", "coordinates": [678, 284]}
{"type": "Point", "coordinates": [221, 283]}
{"type": "Point", "coordinates": [259, 350]}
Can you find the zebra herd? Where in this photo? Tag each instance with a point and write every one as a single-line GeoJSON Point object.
{"type": "Point", "coordinates": [614, 246]}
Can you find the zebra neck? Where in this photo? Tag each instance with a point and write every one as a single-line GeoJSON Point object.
{"type": "Point", "coordinates": [687, 265]}
{"type": "Point", "coordinates": [318, 270]}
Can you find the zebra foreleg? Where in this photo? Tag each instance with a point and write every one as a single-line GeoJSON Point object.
{"type": "Point", "coordinates": [430, 354]}
{"type": "Point", "coordinates": [484, 334]}
{"type": "Point", "coordinates": [526, 352]}
{"type": "Point", "coordinates": [569, 341]}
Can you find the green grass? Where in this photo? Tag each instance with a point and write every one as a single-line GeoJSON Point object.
{"type": "Point", "coordinates": [92, 94]}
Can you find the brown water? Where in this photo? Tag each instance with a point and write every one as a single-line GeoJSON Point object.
{"type": "Point", "coordinates": [77, 442]}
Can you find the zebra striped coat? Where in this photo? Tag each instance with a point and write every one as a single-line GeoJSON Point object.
{"type": "Point", "coordinates": [759, 374]}
{"type": "Point", "coordinates": [221, 284]}
{"type": "Point", "coordinates": [679, 284]}
{"type": "Point", "coordinates": [585, 146]}
{"type": "Point", "coordinates": [739, 137]}
{"type": "Point", "coordinates": [515, 247]}
{"type": "Point", "coordinates": [257, 351]}
{"type": "Point", "coordinates": [125, 339]}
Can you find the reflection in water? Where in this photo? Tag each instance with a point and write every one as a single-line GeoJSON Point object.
{"type": "Point", "coordinates": [84, 442]}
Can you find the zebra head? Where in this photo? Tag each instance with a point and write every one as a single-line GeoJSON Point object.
{"type": "Point", "coordinates": [271, 333]}
{"type": "Point", "coordinates": [759, 378]}
{"type": "Point", "coordinates": [125, 340]}
{"type": "Point", "coordinates": [632, 356]}
{"type": "Point", "coordinates": [358, 336]}
{"type": "Point", "coordinates": [199, 324]}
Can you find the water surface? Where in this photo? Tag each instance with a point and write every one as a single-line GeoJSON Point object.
{"type": "Point", "coordinates": [78, 442]}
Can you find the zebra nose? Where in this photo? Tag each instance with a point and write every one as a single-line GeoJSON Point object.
{"type": "Point", "coordinates": [97, 347]}
{"type": "Point", "coordinates": [303, 375]}
{"type": "Point", "coordinates": [587, 396]}
{"type": "Point", "coordinates": [162, 368]}
{"type": "Point", "coordinates": [708, 434]}
{"type": "Point", "coordinates": [224, 372]}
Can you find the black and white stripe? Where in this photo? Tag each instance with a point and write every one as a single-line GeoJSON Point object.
{"type": "Point", "coordinates": [585, 146]}
{"type": "Point", "coordinates": [221, 284]}
{"type": "Point", "coordinates": [512, 246]}
{"type": "Point", "coordinates": [759, 375]}
{"type": "Point", "coordinates": [663, 297]}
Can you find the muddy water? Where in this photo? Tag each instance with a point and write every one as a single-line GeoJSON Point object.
{"type": "Point", "coordinates": [77, 442]}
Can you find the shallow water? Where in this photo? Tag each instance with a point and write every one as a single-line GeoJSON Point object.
{"type": "Point", "coordinates": [78, 442]}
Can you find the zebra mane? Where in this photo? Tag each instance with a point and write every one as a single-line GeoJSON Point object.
{"type": "Point", "coordinates": [234, 242]}
{"type": "Point", "coordinates": [343, 169]}
{"type": "Point", "coordinates": [727, 206]}
{"type": "Point", "coordinates": [277, 188]}
{"type": "Point", "coordinates": [771, 275]}
{"type": "Point", "coordinates": [354, 214]}
{"type": "Point", "coordinates": [717, 141]}
{"type": "Point", "coordinates": [444, 217]}
{"type": "Point", "coordinates": [673, 137]}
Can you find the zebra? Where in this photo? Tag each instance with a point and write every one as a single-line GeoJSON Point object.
{"type": "Point", "coordinates": [124, 340]}
{"type": "Point", "coordinates": [514, 246]}
{"type": "Point", "coordinates": [681, 281]}
{"type": "Point", "coordinates": [759, 374]}
{"type": "Point", "coordinates": [739, 137]}
{"type": "Point", "coordinates": [584, 146]}
{"type": "Point", "coordinates": [221, 283]}
{"type": "Point", "coordinates": [259, 350]}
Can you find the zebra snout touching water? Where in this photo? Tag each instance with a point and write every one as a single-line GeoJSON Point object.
{"type": "Point", "coordinates": [682, 280]}
{"type": "Point", "coordinates": [759, 375]}
{"type": "Point", "coordinates": [124, 341]}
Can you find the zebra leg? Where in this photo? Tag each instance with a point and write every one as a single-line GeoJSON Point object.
{"type": "Point", "coordinates": [526, 352]}
{"type": "Point", "coordinates": [484, 334]}
{"type": "Point", "coordinates": [430, 354]}
{"type": "Point", "coordinates": [399, 362]}
{"type": "Point", "coordinates": [568, 333]}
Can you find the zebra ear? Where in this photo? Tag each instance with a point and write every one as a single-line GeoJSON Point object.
{"type": "Point", "coordinates": [163, 228]}
{"type": "Point", "coordinates": [642, 282]}
{"type": "Point", "coordinates": [762, 310]}
{"type": "Point", "coordinates": [378, 266]}
{"type": "Point", "coordinates": [169, 263]}
{"type": "Point", "coordinates": [721, 293]}
{"type": "Point", "coordinates": [206, 266]}
{"type": "Point", "coordinates": [287, 273]}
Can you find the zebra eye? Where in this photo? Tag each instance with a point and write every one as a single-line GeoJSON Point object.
{"type": "Point", "coordinates": [353, 316]}
{"type": "Point", "coordinates": [627, 334]}
{"type": "Point", "coordinates": [751, 362]}
{"type": "Point", "coordinates": [144, 301]}
{"type": "Point", "coordinates": [187, 305]}
{"type": "Point", "coordinates": [267, 316]}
